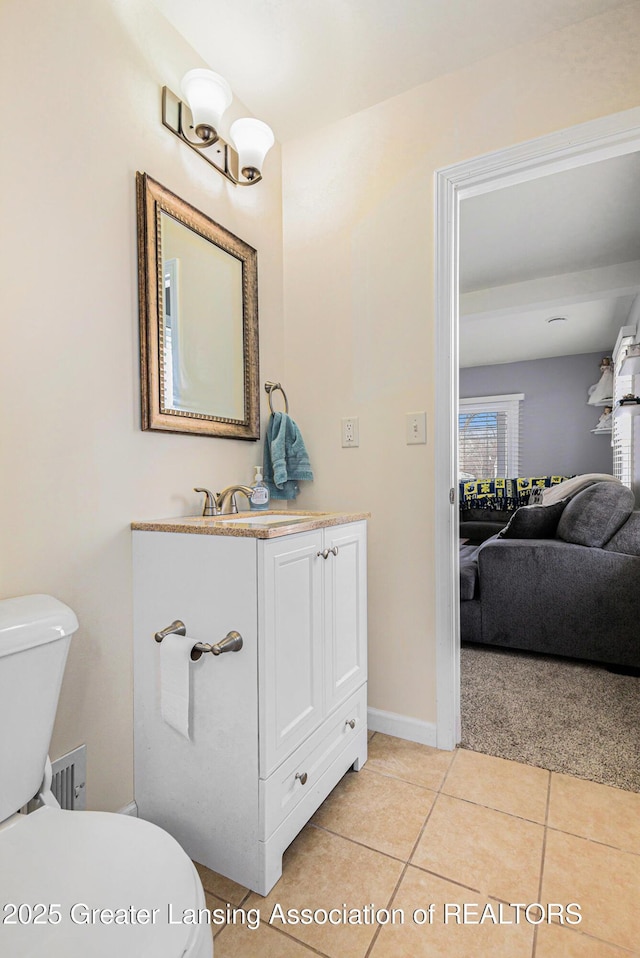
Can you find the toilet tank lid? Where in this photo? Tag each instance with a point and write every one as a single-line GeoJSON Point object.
{"type": "Point", "coordinates": [31, 620]}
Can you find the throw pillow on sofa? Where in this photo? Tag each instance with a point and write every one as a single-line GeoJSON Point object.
{"type": "Point", "coordinates": [593, 516]}
{"type": "Point", "coordinates": [534, 522]}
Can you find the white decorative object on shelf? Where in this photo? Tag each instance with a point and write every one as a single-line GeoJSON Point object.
{"type": "Point", "coordinates": [601, 393]}
{"type": "Point", "coordinates": [605, 422]}
{"type": "Point", "coordinates": [630, 365]}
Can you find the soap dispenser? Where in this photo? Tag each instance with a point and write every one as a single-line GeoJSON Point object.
{"type": "Point", "coordinates": [259, 494]}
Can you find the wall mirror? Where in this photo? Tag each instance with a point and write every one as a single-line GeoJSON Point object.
{"type": "Point", "coordinates": [198, 290]}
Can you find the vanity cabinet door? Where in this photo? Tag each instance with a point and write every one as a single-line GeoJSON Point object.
{"type": "Point", "coordinates": [291, 659]}
{"type": "Point", "coordinates": [345, 612]}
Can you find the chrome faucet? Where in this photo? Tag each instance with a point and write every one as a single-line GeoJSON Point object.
{"type": "Point", "coordinates": [215, 502]}
{"type": "Point", "coordinates": [211, 502]}
{"type": "Point", "coordinates": [230, 493]}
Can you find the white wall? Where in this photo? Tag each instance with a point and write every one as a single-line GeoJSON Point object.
{"type": "Point", "coordinates": [81, 84]}
{"type": "Point", "coordinates": [358, 229]}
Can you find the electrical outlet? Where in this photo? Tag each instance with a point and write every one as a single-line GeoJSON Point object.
{"type": "Point", "coordinates": [350, 432]}
{"type": "Point", "coordinates": [416, 428]}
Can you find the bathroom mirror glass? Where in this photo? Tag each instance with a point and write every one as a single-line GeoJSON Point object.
{"type": "Point", "coordinates": [198, 320]}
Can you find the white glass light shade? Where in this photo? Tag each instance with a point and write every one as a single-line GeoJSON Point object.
{"type": "Point", "coordinates": [208, 95]}
{"type": "Point", "coordinates": [252, 139]}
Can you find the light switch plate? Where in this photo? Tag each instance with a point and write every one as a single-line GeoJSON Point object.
{"type": "Point", "coordinates": [416, 428]}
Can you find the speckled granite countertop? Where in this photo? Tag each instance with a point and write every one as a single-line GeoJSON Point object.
{"type": "Point", "coordinates": [251, 525]}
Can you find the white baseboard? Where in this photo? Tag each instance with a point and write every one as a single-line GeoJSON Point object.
{"type": "Point", "coordinates": [402, 726]}
{"type": "Point", "coordinates": [130, 809]}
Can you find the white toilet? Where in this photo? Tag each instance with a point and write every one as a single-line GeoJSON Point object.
{"type": "Point", "coordinates": [76, 884]}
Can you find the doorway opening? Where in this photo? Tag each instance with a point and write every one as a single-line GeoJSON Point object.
{"type": "Point", "coordinates": [571, 149]}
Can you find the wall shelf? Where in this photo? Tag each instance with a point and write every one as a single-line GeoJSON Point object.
{"type": "Point", "coordinates": [630, 365]}
{"type": "Point", "coordinates": [630, 409]}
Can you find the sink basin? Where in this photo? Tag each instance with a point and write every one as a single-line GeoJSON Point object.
{"type": "Point", "coordinates": [269, 520]}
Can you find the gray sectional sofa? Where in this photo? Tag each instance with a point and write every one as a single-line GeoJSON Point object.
{"type": "Point", "coordinates": [566, 583]}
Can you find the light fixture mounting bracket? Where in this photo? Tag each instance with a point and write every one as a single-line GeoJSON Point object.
{"type": "Point", "coordinates": [219, 154]}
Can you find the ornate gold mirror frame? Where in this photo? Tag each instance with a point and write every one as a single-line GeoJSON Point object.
{"type": "Point", "coordinates": [198, 301]}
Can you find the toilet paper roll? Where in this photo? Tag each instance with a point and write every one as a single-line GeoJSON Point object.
{"type": "Point", "coordinates": [175, 669]}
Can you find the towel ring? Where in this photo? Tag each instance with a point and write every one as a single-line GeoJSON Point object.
{"type": "Point", "coordinates": [268, 388]}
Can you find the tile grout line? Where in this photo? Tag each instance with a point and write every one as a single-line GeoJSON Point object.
{"type": "Point", "coordinates": [411, 854]}
{"type": "Point", "coordinates": [399, 778]}
{"type": "Point", "coordinates": [492, 808]}
{"type": "Point", "coordinates": [544, 849]}
{"type": "Point", "coordinates": [406, 866]}
{"type": "Point", "coordinates": [298, 941]}
{"type": "Point", "coordinates": [570, 930]}
{"type": "Point", "coordinates": [594, 841]}
{"type": "Point", "coordinates": [430, 812]}
{"type": "Point", "coordinates": [456, 752]}
{"type": "Point", "coordinates": [354, 841]}
{"type": "Point", "coordinates": [389, 906]}
{"type": "Point", "coordinates": [280, 931]}
{"type": "Point", "coordinates": [403, 781]}
{"type": "Point", "coordinates": [550, 828]}
{"type": "Point", "coordinates": [452, 881]}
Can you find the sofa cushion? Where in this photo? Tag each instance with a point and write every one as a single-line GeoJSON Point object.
{"type": "Point", "coordinates": [468, 572]}
{"type": "Point", "coordinates": [534, 522]}
{"type": "Point", "coordinates": [627, 538]}
{"type": "Point", "coordinates": [594, 515]}
{"type": "Point", "coordinates": [471, 621]}
{"type": "Point", "coordinates": [555, 597]}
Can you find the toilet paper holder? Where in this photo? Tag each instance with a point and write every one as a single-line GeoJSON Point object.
{"type": "Point", "coordinates": [232, 641]}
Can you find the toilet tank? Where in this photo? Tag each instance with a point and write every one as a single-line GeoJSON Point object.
{"type": "Point", "coordinates": [35, 631]}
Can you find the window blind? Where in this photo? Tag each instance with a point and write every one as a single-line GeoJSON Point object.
{"type": "Point", "coordinates": [622, 428]}
{"type": "Point", "coordinates": [489, 437]}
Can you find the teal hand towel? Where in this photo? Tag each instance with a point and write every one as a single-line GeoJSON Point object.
{"type": "Point", "coordinates": [286, 461]}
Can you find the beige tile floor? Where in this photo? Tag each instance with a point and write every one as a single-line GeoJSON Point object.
{"type": "Point", "coordinates": [419, 827]}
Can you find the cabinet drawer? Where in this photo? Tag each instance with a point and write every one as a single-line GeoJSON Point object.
{"type": "Point", "coordinates": [281, 792]}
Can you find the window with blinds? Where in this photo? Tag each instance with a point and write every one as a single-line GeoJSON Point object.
{"type": "Point", "coordinates": [489, 436]}
{"type": "Point", "coordinates": [622, 428]}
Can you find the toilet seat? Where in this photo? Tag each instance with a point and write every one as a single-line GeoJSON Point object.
{"type": "Point", "coordinates": [66, 860]}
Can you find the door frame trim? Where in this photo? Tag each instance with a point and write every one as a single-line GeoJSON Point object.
{"type": "Point", "coordinates": [568, 149]}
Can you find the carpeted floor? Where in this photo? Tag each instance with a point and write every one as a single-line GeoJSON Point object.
{"type": "Point", "coordinates": [572, 717]}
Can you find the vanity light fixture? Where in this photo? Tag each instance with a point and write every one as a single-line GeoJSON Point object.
{"type": "Point", "coordinates": [207, 96]}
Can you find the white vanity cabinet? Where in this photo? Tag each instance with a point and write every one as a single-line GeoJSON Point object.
{"type": "Point", "coordinates": [274, 726]}
{"type": "Point", "coordinates": [313, 639]}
